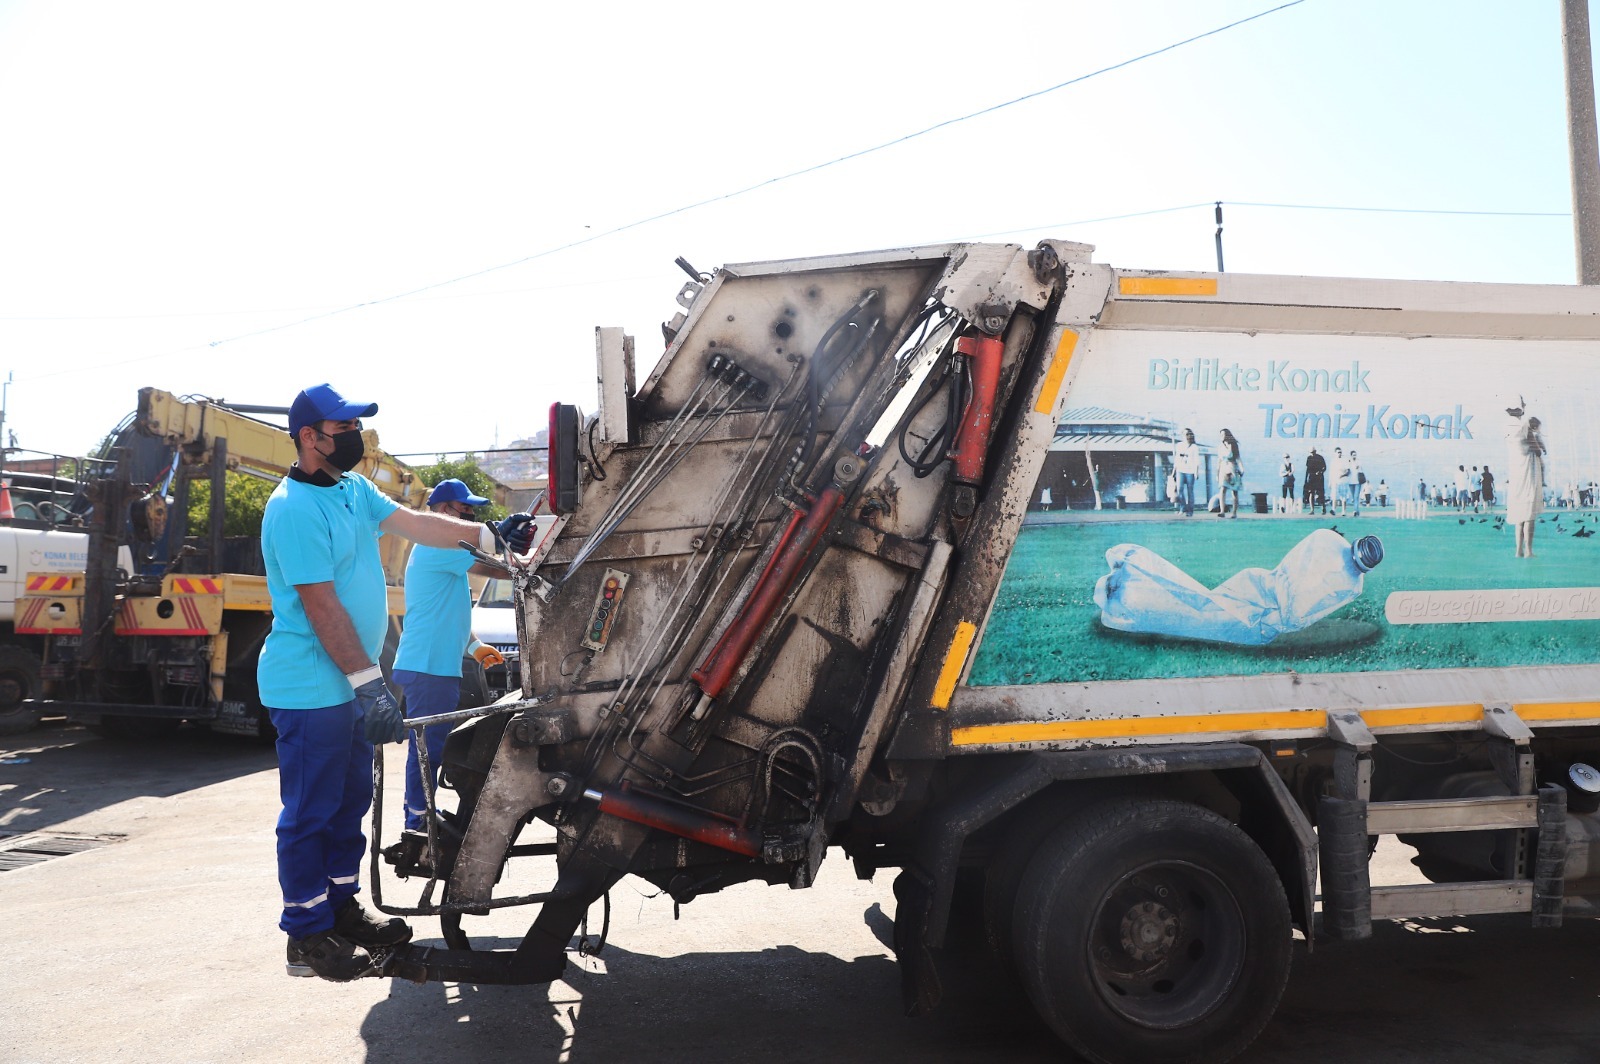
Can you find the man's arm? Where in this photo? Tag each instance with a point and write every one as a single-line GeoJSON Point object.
{"type": "Point", "coordinates": [332, 625]}
{"type": "Point", "coordinates": [437, 530]}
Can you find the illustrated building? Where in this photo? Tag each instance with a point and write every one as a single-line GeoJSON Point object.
{"type": "Point", "coordinates": [1107, 459]}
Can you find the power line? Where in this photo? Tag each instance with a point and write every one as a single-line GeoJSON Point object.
{"type": "Point", "coordinates": [523, 290]}
{"type": "Point", "coordinates": [759, 184]}
{"type": "Point", "coordinates": [78, 369]}
{"type": "Point", "coordinates": [1089, 221]}
{"type": "Point", "coordinates": [1208, 204]}
{"type": "Point", "coordinates": [1044, 227]}
{"type": "Point", "coordinates": [1399, 210]}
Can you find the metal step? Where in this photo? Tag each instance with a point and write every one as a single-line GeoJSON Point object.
{"type": "Point", "coordinates": [1452, 899]}
{"type": "Point", "coordinates": [1453, 814]}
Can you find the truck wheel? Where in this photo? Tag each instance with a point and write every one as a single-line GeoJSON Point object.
{"type": "Point", "coordinates": [1152, 931]}
{"type": "Point", "coordinates": [19, 679]}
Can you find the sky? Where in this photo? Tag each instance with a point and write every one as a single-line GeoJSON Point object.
{"type": "Point", "coordinates": [433, 206]}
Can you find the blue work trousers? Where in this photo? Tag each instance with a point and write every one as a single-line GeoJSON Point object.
{"type": "Point", "coordinates": [325, 781]}
{"type": "Point", "coordinates": [426, 695]}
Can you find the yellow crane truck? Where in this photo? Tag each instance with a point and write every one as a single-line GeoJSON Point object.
{"type": "Point", "coordinates": [942, 557]}
{"type": "Point", "coordinates": [137, 651]}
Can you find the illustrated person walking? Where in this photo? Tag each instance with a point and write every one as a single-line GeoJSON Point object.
{"type": "Point", "coordinates": [1287, 472]}
{"type": "Point", "coordinates": [1525, 488]}
{"type": "Point", "coordinates": [318, 674]}
{"type": "Point", "coordinates": [1186, 460]}
{"type": "Point", "coordinates": [1359, 493]}
{"type": "Point", "coordinates": [1342, 481]}
{"type": "Point", "coordinates": [1316, 482]}
{"type": "Point", "coordinates": [437, 633]}
{"type": "Point", "coordinates": [1232, 475]}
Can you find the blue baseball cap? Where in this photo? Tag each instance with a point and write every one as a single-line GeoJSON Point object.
{"type": "Point", "coordinates": [321, 403]}
{"type": "Point", "coordinates": [453, 490]}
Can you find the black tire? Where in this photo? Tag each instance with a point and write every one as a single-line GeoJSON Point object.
{"type": "Point", "coordinates": [19, 679]}
{"type": "Point", "coordinates": [1004, 874]}
{"type": "Point", "coordinates": [1152, 931]}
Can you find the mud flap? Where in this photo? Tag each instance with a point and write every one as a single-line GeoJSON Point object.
{"type": "Point", "coordinates": [920, 988]}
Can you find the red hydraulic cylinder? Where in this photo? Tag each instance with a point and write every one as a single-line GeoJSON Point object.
{"type": "Point", "coordinates": [714, 674]}
{"type": "Point", "coordinates": [983, 354]}
{"type": "Point", "coordinates": [664, 814]}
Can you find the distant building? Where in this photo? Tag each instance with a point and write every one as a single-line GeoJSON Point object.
{"type": "Point", "coordinates": [523, 467]}
{"type": "Point", "coordinates": [1106, 459]}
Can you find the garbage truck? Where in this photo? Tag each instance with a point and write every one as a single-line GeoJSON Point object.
{"type": "Point", "coordinates": [1064, 592]}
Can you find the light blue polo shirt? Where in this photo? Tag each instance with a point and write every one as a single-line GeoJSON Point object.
{"type": "Point", "coordinates": [310, 535]}
{"type": "Point", "coordinates": [438, 611]}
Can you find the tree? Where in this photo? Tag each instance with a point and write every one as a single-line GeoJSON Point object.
{"type": "Point", "coordinates": [469, 473]}
{"type": "Point", "coordinates": [245, 501]}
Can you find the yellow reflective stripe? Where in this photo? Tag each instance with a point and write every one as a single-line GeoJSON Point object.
{"type": "Point", "coordinates": [1286, 720]}
{"type": "Point", "coordinates": [1414, 715]}
{"type": "Point", "coordinates": [1050, 390]}
{"type": "Point", "coordinates": [1167, 286]}
{"type": "Point", "coordinates": [1131, 727]}
{"type": "Point", "coordinates": [1558, 710]}
{"type": "Point", "coordinates": [954, 659]}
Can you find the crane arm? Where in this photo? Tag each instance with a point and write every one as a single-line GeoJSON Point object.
{"type": "Point", "coordinates": [192, 427]}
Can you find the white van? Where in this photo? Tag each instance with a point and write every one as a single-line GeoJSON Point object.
{"type": "Point", "coordinates": [494, 622]}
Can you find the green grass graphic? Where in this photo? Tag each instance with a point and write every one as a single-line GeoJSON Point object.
{"type": "Point", "coordinates": [1044, 626]}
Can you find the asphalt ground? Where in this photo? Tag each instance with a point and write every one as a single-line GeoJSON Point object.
{"type": "Point", "coordinates": [161, 945]}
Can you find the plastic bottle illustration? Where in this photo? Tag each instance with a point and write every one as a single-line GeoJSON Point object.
{"type": "Point", "coordinates": [1145, 593]}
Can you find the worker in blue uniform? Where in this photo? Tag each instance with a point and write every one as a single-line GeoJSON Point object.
{"type": "Point", "coordinates": [437, 635]}
{"type": "Point", "coordinates": [318, 674]}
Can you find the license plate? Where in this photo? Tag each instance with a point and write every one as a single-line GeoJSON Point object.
{"type": "Point", "coordinates": [236, 718]}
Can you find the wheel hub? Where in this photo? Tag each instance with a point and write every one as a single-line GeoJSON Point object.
{"type": "Point", "coordinates": [1148, 932]}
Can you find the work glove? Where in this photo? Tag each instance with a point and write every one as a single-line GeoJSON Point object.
{"type": "Point", "coordinates": [516, 532]}
{"type": "Point", "coordinates": [383, 721]}
{"type": "Point", "coordinates": [486, 655]}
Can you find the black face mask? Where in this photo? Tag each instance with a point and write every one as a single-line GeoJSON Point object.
{"type": "Point", "coordinates": [348, 449]}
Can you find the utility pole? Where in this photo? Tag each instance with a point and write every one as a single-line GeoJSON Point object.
{"type": "Point", "coordinates": [1219, 236]}
{"type": "Point", "coordinates": [1581, 140]}
{"type": "Point", "coordinates": [5, 396]}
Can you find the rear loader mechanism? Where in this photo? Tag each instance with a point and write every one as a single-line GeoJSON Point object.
{"type": "Point", "coordinates": [720, 634]}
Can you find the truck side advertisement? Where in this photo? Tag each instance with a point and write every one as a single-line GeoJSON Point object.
{"type": "Point", "coordinates": [1222, 504]}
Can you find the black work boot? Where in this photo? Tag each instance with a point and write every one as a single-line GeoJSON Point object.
{"type": "Point", "coordinates": [329, 955]}
{"type": "Point", "coordinates": [358, 925]}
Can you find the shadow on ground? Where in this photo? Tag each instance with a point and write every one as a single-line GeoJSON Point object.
{"type": "Point", "coordinates": [1486, 989]}
{"type": "Point", "coordinates": [773, 1005]}
{"type": "Point", "coordinates": [1473, 989]}
{"type": "Point", "coordinates": [61, 771]}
